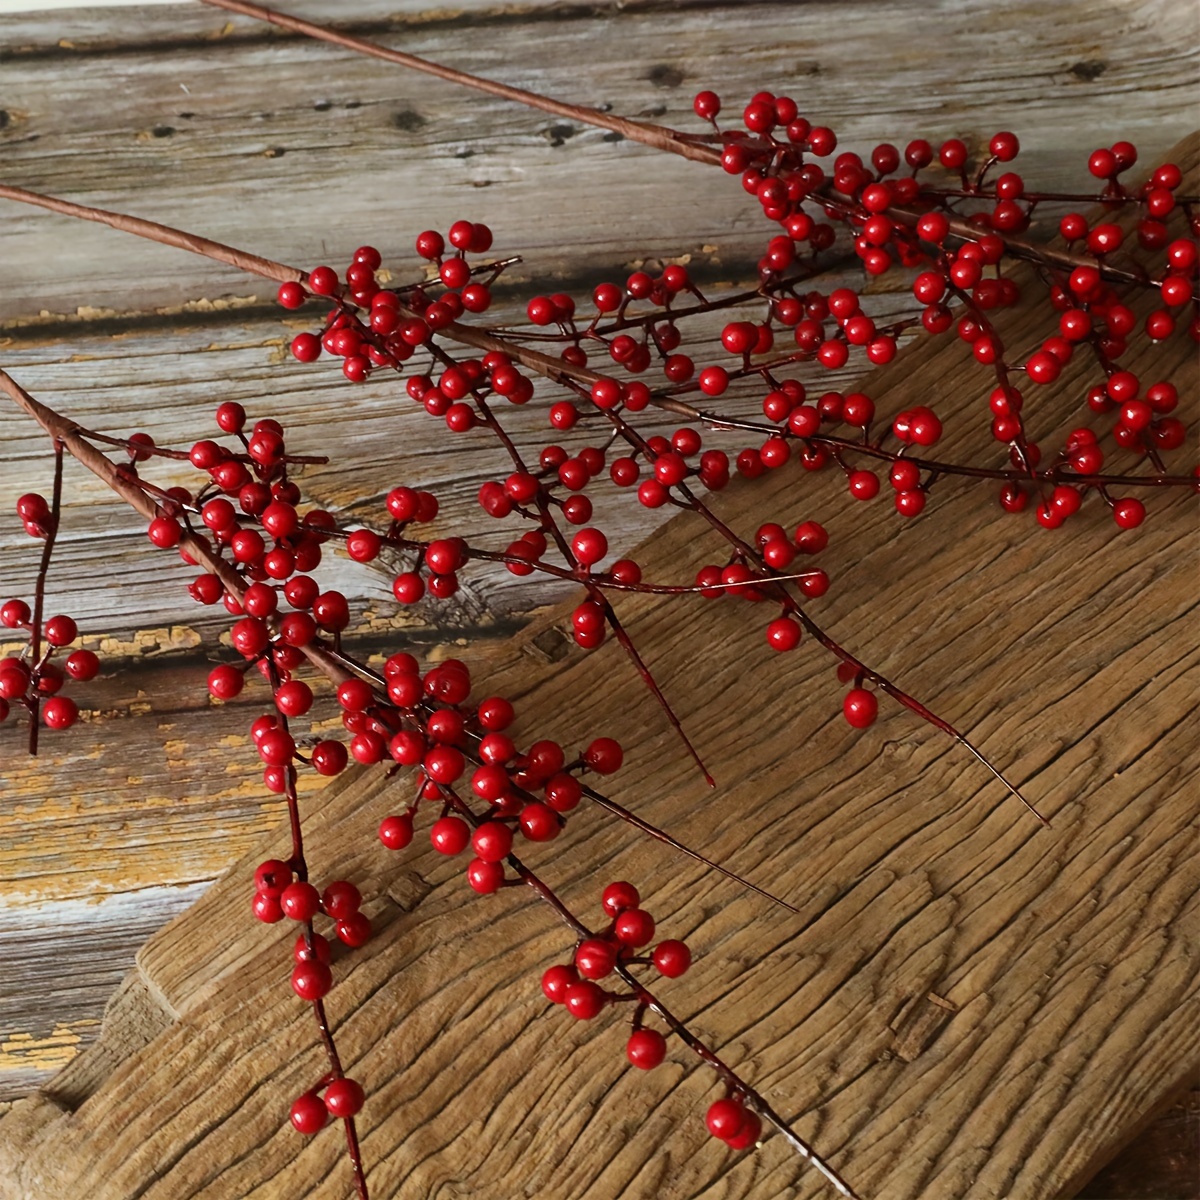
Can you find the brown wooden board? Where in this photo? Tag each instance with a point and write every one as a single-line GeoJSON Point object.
{"type": "Point", "coordinates": [1069, 955]}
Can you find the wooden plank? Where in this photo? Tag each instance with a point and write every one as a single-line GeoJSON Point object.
{"type": "Point", "coordinates": [1067, 956]}
{"type": "Point", "coordinates": [391, 153]}
{"type": "Point", "coordinates": [1123, 65]}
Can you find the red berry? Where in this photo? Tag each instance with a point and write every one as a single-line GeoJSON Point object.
{"type": "Point", "coordinates": [860, 707]}
{"type": "Point", "coordinates": [311, 980]}
{"type": "Point", "coordinates": [300, 901]}
{"type": "Point", "coordinates": [1129, 513]}
{"type": "Point", "coordinates": [595, 958]}
{"type": "Point", "coordinates": [82, 665]}
{"type": "Point", "coordinates": [748, 1135]}
{"type": "Point", "coordinates": [556, 981]}
{"type": "Point", "coordinates": [584, 1000]}
{"type": "Point", "coordinates": [725, 1118]}
{"type": "Point", "coordinates": [864, 485]}
{"type": "Point", "coordinates": [323, 281]}
{"type": "Point", "coordinates": [604, 756]}
{"type": "Point", "coordinates": [354, 930]}
{"type": "Point", "coordinates": [341, 899]}
{"type": "Point", "coordinates": [59, 712]}
{"type": "Point", "coordinates": [634, 927]}
{"type": "Point", "coordinates": [329, 758]}
{"type": "Point", "coordinates": [309, 1114]}
{"type": "Point", "coordinates": [539, 822]}
{"type": "Point", "coordinates": [396, 832]}
{"type": "Point", "coordinates": [450, 835]}
{"type": "Point", "coordinates": [343, 1098]}
{"type": "Point", "coordinates": [492, 841]}
{"type": "Point", "coordinates": [671, 958]}
{"type": "Point", "coordinates": [646, 1048]}
{"type": "Point", "coordinates": [61, 631]}
{"type": "Point", "coordinates": [783, 634]}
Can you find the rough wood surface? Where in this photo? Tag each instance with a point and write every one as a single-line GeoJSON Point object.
{"type": "Point", "coordinates": [1080, 683]}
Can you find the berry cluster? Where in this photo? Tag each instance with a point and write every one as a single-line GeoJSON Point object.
{"type": "Point", "coordinates": [576, 986]}
{"type": "Point", "coordinates": [33, 679]}
{"type": "Point", "coordinates": [374, 327]}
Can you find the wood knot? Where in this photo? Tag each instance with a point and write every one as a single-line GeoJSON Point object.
{"type": "Point", "coordinates": [917, 1025]}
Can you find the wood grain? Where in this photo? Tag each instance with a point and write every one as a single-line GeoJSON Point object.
{"type": "Point", "coordinates": [1068, 958]}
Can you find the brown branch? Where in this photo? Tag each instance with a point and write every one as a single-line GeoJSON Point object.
{"type": "Point", "coordinates": [657, 136]}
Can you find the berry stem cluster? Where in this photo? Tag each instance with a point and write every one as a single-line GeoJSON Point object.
{"type": "Point", "coordinates": [640, 345]}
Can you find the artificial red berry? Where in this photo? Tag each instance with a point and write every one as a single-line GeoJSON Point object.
{"type": "Point", "coordinates": [556, 981]}
{"type": "Point", "coordinates": [396, 832]}
{"type": "Point", "coordinates": [783, 634]}
{"type": "Point", "coordinates": [343, 1098]}
{"type": "Point", "coordinates": [59, 712]}
{"type": "Point", "coordinates": [646, 1048]}
{"type": "Point", "coordinates": [266, 908]}
{"type": "Point", "coordinates": [309, 1114]}
{"type": "Point", "coordinates": [748, 1135]}
{"type": "Point", "coordinates": [354, 930]}
{"type": "Point", "coordinates": [860, 707]}
{"type": "Point", "coordinates": [584, 1000]}
{"type": "Point", "coordinates": [61, 631]}
{"type": "Point", "coordinates": [82, 665]}
{"type": "Point", "coordinates": [311, 980]}
{"type": "Point", "coordinates": [671, 958]}
{"type": "Point", "coordinates": [300, 901]}
{"type": "Point", "coordinates": [539, 822]}
{"type": "Point", "coordinates": [604, 756]}
{"type": "Point", "coordinates": [329, 757]}
{"type": "Point", "coordinates": [634, 927]}
{"type": "Point", "coordinates": [450, 835]}
{"type": "Point", "coordinates": [341, 899]}
{"type": "Point", "coordinates": [725, 1118]}
{"type": "Point", "coordinates": [492, 841]}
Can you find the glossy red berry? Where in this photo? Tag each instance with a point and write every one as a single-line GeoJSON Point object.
{"type": "Point", "coordinates": [671, 958]}
{"type": "Point", "coordinates": [595, 958]}
{"type": "Point", "coordinates": [329, 757]}
{"type": "Point", "coordinates": [61, 631]}
{"type": "Point", "coordinates": [344, 1098]}
{"type": "Point", "coordinates": [748, 1135]}
{"type": "Point", "coordinates": [1129, 513]}
{"type": "Point", "coordinates": [634, 927]}
{"type": "Point", "coordinates": [604, 756]}
{"type": "Point", "coordinates": [539, 822]}
{"type": "Point", "coordinates": [59, 712]}
{"type": "Point", "coordinates": [311, 980]}
{"type": "Point", "coordinates": [309, 1114]}
{"type": "Point", "coordinates": [783, 634]}
{"type": "Point", "coordinates": [300, 901]}
{"type": "Point", "coordinates": [584, 1000]}
{"type": "Point", "coordinates": [396, 832]}
{"type": "Point", "coordinates": [860, 707]}
{"type": "Point", "coordinates": [341, 899]}
{"type": "Point", "coordinates": [725, 1118]}
{"type": "Point", "coordinates": [82, 665]}
{"type": "Point", "coordinates": [646, 1048]}
{"type": "Point", "coordinates": [618, 897]}
{"type": "Point", "coordinates": [450, 835]}
{"type": "Point", "coordinates": [492, 841]}
{"type": "Point", "coordinates": [556, 981]}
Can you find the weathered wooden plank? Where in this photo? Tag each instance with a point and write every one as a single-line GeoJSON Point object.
{"type": "Point", "coordinates": [87, 146]}
{"type": "Point", "coordinates": [371, 153]}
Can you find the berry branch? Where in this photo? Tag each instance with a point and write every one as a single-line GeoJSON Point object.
{"type": "Point", "coordinates": [243, 527]}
